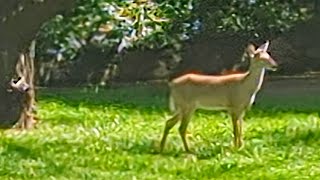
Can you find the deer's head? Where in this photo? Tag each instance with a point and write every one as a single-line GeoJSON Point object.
{"type": "Point", "coordinates": [261, 57]}
{"type": "Point", "coordinates": [19, 85]}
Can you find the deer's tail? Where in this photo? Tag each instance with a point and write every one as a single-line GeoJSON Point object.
{"type": "Point", "coordinates": [171, 104]}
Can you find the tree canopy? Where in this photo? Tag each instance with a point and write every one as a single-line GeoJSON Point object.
{"type": "Point", "coordinates": [118, 24]}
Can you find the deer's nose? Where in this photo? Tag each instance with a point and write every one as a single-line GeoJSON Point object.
{"type": "Point", "coordinates": [25, 88]}
{"type": "Point", "coordinates": [274, 65]}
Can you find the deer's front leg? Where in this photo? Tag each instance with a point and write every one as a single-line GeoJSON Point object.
{"type": "Point", "coordinates": [237, 129]}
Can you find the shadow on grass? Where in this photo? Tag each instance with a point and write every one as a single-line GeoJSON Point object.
{"type": "Point", "coordinates": [15, 151]}
{"type": "Point", "coordinates": [176, 150]}
{"type": "Point", "coordinates": [12, 148]}
{"type": "Point", "coordinates": [272, 139]}
{"type": "Point", "coordinates": [150, 147]}
{"type": "Point", "coordinates": [307, 137]}
{"type": "Point", "coordinates": [141, 97]}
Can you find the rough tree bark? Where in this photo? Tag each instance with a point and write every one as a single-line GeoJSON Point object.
{"type": "Point", "coordinates": [19, 22]}
{"type": "Point", "coordinates": [24, 85]}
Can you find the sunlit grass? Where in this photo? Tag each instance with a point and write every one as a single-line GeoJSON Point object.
{"type": "Point", "coordinates": [115, 133]}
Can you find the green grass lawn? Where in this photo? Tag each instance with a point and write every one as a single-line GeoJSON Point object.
{"type": "Point", "coordinates": [114, 134]}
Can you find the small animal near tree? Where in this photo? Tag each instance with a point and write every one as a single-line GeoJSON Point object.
{"type": "Point", "coordinates": [234, 93]}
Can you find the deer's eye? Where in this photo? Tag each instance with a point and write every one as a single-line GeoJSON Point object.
{"type": "Point", "coordinates": [16, 80]}
{"type": "Point", "coordinates": [257, 56]}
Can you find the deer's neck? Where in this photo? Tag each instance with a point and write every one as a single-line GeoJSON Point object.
{"type": "Point", "coordinates": [255, 77]}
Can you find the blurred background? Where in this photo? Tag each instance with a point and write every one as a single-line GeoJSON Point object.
{"type": "Point", "coordinates": [103, 42]}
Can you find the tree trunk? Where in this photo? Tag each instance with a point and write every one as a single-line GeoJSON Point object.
{"type": "Point", "coordinates": [20, 20]}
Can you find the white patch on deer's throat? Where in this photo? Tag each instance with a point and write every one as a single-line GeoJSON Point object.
{"type": "Point", "coordinates": [258, 87]}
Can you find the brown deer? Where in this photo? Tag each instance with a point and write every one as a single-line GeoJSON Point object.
{"type": "Point", "coordinates": [234, 93]}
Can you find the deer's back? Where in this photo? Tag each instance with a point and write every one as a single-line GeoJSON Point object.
{"type": "Point", "coordinates": [204, 91]}
{"type": "Point", "coordinates": [198, 79]}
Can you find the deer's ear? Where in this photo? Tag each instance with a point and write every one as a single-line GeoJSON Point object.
{"type": "Point", "coordinates": [263, 47]}
{"type": "Point", "coordinates": [250, 50]}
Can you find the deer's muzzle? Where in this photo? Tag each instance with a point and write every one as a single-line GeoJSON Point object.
{"type": "Point", "coordinates": [274, 66]}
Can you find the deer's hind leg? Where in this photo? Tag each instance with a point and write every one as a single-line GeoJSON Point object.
{"type": "Point", "coordinates": [169, 125]}
{"type": "Point", "coordinates": [187, 114]}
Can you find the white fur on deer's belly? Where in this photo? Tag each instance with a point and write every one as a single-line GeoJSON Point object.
{"type": "Point", "coordinates": [213, 108]}
{"type": "Point", "coordinates": [253, 97]}
{"type": "Point", "coordinates": [216, 107]}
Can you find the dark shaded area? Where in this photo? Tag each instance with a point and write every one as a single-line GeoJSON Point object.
{"type": "Point", "coordinates": [20, 21]}
{"type": "Point", "coordinates": [25, 151]}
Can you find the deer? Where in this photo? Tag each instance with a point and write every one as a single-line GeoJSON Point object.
{"type": "Point", "coordinates": [233, 93]}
